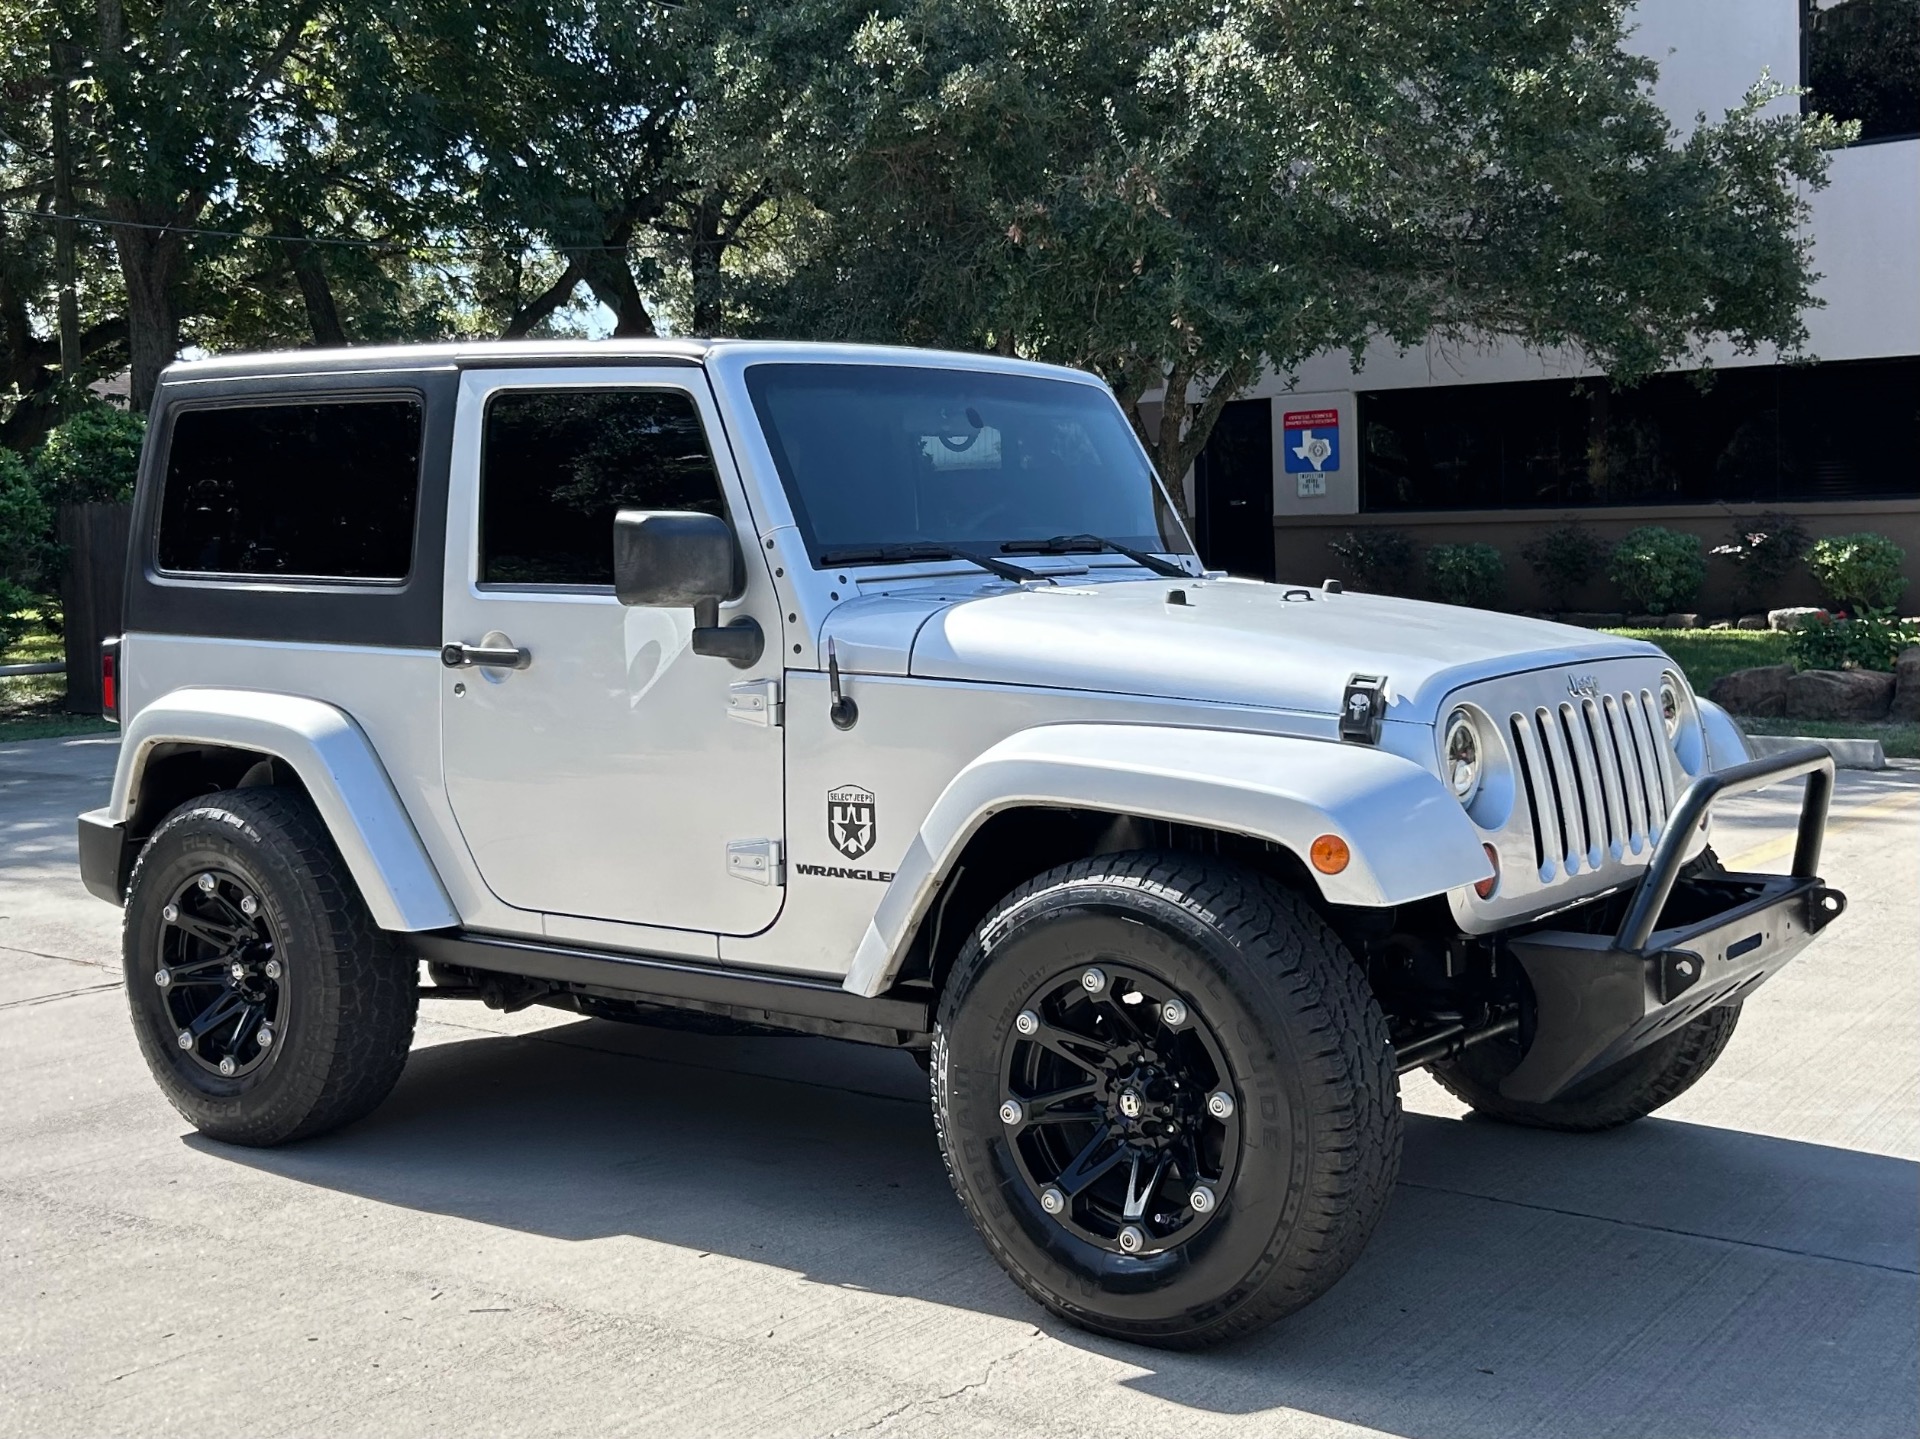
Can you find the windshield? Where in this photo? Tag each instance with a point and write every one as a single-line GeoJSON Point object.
{"type": "Point", "coordinates": [885, 455]}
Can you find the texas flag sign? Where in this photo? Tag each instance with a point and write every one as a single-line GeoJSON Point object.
{"type": "Point", "coordinates": [1311, 440]}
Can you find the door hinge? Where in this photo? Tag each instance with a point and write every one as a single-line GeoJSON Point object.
{"type": "Point", "coordinates": [756, 702]}
{"type": "Point", "coordinates": [757, 861]}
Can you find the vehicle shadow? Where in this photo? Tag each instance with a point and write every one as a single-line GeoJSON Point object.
{"type": "Point", "coordinates": [1669, 1278]}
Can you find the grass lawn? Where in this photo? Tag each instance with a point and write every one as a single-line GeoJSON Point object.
{"type": "Point", "coordinates": [1706, 655]}
{"type": "Point", "coordinates": [34, 706]}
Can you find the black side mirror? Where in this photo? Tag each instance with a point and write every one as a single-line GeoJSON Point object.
{"type": "Point", "coordinates": [676, 558]}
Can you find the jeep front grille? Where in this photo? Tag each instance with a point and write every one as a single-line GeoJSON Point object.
{"type": "Point", "coordinates": [1596, 780]}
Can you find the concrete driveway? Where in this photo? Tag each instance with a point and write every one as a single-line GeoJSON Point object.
{"type": "Point", "coordinates": [559, 1226]}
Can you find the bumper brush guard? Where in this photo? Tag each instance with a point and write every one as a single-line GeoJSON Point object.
{"type": "Point", "coordinates": [1600, 998]}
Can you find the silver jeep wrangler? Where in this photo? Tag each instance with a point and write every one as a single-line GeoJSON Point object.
{"type": "Point", "coordinates": [879, 694]}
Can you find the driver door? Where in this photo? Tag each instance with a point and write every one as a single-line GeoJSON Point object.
{"type": "Point", "coordinates": [604, 779]}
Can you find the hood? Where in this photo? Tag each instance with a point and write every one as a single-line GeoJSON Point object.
{"type": "Point", "coordinates": [1232, 642]}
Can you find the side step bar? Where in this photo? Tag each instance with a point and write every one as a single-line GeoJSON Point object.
{"type": "Point", "coordinates": [782, 1001]}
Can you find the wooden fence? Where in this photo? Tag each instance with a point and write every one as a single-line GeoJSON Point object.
{"type": "Point", "coordinates": [92, 592]}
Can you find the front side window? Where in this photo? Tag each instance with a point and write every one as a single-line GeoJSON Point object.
{"type": "Point", "coordinates": [557, 465]}
{"type": "Point", "coordinates": [298, 491]}
{"type": "Point", "coordinates": [883, 455]}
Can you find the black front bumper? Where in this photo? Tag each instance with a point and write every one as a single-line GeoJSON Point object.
{"type": "Point", "coordinates": [1682, 947]}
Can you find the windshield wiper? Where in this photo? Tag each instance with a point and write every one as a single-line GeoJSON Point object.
{"type": "Point", "coordinates": [1083, 544]}
{"type": "Point", "coordinates": [899, 554]}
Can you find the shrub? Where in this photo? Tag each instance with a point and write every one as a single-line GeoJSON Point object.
{"type": "Point", "coordinates": [1472, 575]}
{"type": "Point", "coordinates": [25, 529]}
{"type": "Point", "coordinates": [1658, 570]}
{"type": "Point", "coordinates": [1564, 559]}
{"type": "Point", "coordinates": [1377, 559]}
{"type": "Point", "coordinates": [1859, 571]}
{"type": "Point", "coordinates": [1870, 640]}
{"type": "Point", "coordinates": [1764, 549]}
{"type": "Point", "coordinates": [93, 454]}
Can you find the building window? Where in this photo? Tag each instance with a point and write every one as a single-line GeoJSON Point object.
{"type": "Point", "coordinates": [321, 491]}
{"type": "Point", "coordinates": [1860, 60]}
{"type": "Point", "coordinates": [1770, 434]}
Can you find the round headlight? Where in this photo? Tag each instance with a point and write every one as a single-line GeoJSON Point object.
{"type": "Point", "coordinates": [1670, 707]}
{"type": "Point", "coordinates": [1462, 752]}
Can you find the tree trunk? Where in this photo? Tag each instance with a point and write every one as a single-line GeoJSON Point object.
{"type": "Point", "coordinates": [150, 263]}
{"type": "Point", "coordinates": [704, 247]}
{"type": "Point", "coordinates": [67, 307]}
{"type": "Point", "coordinates": [316, 293]}
{"type": "Point", "coordinates": [612, 284]}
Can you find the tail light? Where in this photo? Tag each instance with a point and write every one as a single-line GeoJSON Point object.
{"type": "Point", "coordinates": [110, 679]}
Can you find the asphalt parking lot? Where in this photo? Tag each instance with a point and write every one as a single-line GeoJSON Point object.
{"type": "Point", "coordinates": [559, 1226]}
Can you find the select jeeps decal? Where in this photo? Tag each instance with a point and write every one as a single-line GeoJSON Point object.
{"type": "Point", "coordinates": [850, 821]}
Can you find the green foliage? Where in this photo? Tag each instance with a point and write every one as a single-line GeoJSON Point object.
{"type": "Point", "coordinates": [1860, 571]}
{"type": "Point", "coordinates": [1871, 640]}
{"type": "Point", "coordinates": [1378, 559]}
{"type": "Point", "coordinates": [1564, 559]}
{"type": "Point", "coordinates": [1472, 575]}
{"type": "Point", "coordinates": [1659, 571]}
{"type": "Point", "coordinates": [91, 455]}
{"type": "Point", "coordinates": [1765, 548]}
{"type": "Point", "coordinates": [24, 528]}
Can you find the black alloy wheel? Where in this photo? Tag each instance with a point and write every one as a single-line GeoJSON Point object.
{"type": "Point", "coordinates": [267, 1004]}
{"type": "Point", "coordinates": [220, 975]}
{"type": "Point", "coordinates": [1120, 1109]}
{"type": "Point", "coordinates": [1165, 1096]}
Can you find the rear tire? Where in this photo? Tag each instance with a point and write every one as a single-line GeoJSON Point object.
{"type": "Point", "coordinates": [268, 1006]}
{"type": "Point", "coordinates": [1271, 1011]}
{"type": "Point", "coordinates": [1630, 1090]}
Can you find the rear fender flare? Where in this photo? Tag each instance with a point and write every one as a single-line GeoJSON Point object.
{"type": "Point", "coordinates": [340, 769]}
{"type": "Point", "coordinates": [1408, 837]}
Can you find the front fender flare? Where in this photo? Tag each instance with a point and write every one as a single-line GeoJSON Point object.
{"type": "Point", "coordinates": [335, 761]}
{"type": "Point", "coordinates": [1408, 836]}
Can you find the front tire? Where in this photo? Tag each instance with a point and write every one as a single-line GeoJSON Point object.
{"type": "Point", "coordinates": [1205, 1119]}
{"type": "Point", "coordinates": [268, 1006]}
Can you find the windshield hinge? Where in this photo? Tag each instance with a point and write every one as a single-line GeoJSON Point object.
{"type": "Point", "coordinates": [756, 702]}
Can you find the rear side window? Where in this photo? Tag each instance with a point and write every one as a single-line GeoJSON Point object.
{"type": "Point", "coordinates": [557, 465]}
{"type": "Point", "coordinates": [307, 491]}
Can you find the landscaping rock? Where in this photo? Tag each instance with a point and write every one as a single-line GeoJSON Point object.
{"type": "Point", "coordinates": [1721, 625]}
{"type": "Point", "coordinates": [1786, 619]}
{"type": "Point", "coordinates": [1750, 622]}
{"type": "Point", "coordinates": [1761, 692]}
{"type": "Point", "coordinates": [1681, 622]}
{"type": "Point", "coordinates": [1646, 622]}
{"type": "Point", "coordinates": [1906, 686]}
{"type": "Point", "coordinates": [1594, 619]}
{"type": "Point", "coordinates": [1840, 695]}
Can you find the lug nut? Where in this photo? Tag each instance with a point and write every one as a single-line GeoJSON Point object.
{"type": "Point", "coordinates": [271, 969]}
{"type": "Point", "coordinates": [1053, 1199]}
{"type": "Point", "coordinates": [184, 1039]}
{"type": "Point", "coordinates": [1201, 1199]}
{"type": "Point", "coordinates": [208, 882]}
{"type": "Point", "coordinates": [171, 913]}
{"type": "Point", "coordinates": [1093, 981]}
{"type": "Point", "coordinates": [265, 1036]}
{"type": "Point", "coordinates": [1027, 1022]}
{"type": "Point", "coordinates": [1220, 1104]}
{"type": "Point", "coordinates": [1132, 1239]}
{"type": "Point", "coordinates": [163, 977]}
{"type": "Point", "coordinates": [1174, 1013]}
{"type": "Point", "coordinates": [1011, 1112]}
{"type": "Point", "coordinates": [249, 905]}
{"type": "Point", "coordinates": [227, 1066]}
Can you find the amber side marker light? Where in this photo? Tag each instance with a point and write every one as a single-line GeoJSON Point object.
{"type": "Point", "coordinates": [1485, 887]}
{"type": "Point", "coordinates": [1329, 854]}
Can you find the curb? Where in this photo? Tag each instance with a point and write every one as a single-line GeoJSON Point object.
{"type": "Point", "coordinates": [1847, 753]}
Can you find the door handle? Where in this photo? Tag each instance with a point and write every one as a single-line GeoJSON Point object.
{"type": "Point", "coordinates": [505, 657]}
